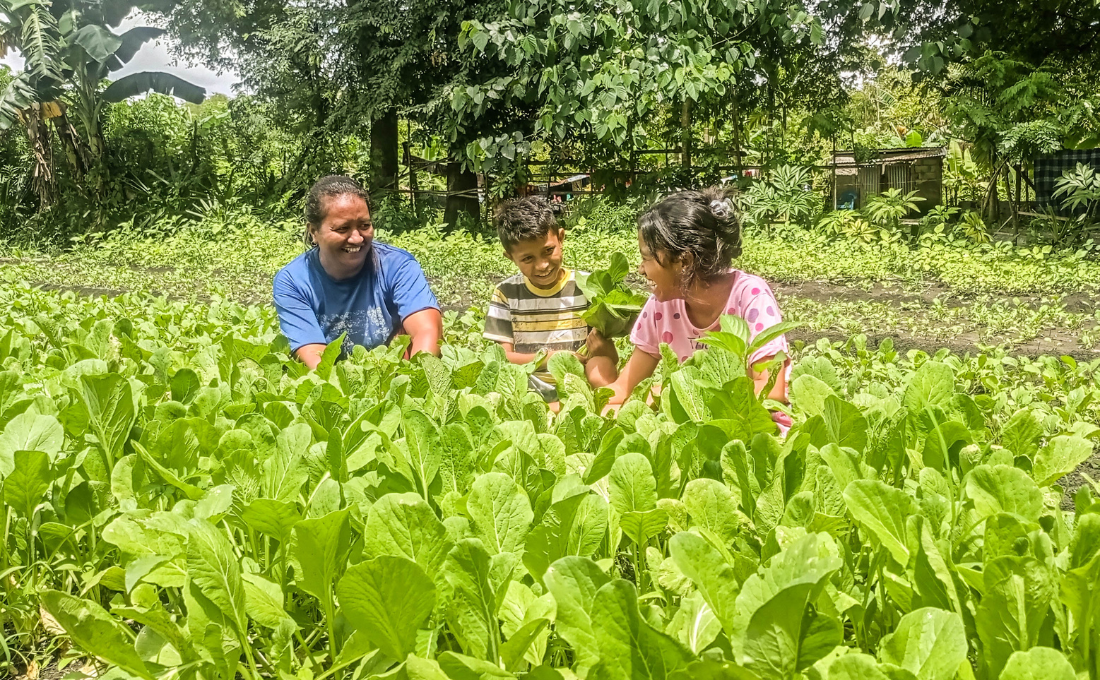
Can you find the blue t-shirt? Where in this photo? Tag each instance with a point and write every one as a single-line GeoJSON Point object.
{"type": "Point", "coordinates": [315, 308]}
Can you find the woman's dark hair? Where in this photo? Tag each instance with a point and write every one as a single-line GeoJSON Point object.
{"type": "Point", "coordinates": [700, 223]}
{"type": "Point", "coordinates": [522, 219]}
{"type": "Point", "coordinates": [326, 188]}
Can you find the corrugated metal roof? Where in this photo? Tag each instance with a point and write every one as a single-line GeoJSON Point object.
{"type": "Point", "coordinates": [889, 156]}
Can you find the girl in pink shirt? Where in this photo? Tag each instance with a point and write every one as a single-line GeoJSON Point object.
{"type": "Point", "coordinates": [688, 241]}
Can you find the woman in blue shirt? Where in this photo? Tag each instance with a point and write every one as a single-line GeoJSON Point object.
{"type": "Point", "coordinates": [349, 284]}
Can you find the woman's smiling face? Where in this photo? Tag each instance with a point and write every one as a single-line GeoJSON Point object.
{"type": "Point", "coordinates": [664, 279]}
{"type": "Point", "coordinates": [345, 235]}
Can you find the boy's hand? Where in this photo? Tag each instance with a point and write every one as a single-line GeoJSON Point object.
{"type": "Point", "coordinates": [600, 346]}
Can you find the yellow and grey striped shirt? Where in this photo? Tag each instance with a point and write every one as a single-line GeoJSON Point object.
{"type": "Point", "coordinates": [533, 318]}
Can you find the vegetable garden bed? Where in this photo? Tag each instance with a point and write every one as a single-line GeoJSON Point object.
{"type": "Point", "coordinates": [183, 500]}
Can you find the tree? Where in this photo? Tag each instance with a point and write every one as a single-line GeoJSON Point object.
{"type": "Point", "coordinates": [67, 56]}
{"type": "Point", "coordinates": [604, 74]}
{"type": "Point", "coordinates": [1011, 112]}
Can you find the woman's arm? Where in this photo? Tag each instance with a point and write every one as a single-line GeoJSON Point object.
{"type": "Point", "coordinates": [638, 367]}
{"type": "Point", "coordinates": [425, 328]}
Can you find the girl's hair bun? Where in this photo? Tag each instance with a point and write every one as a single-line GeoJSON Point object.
{"type": "Point", "coordinates": [721, 209]}
{"type": "Point", "coordinates": [702, 224]}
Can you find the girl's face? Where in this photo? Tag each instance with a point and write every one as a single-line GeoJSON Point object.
{"type": "Point", "coordinates": [664, 279]}
{"type": "Point", "coordinates": [345, 236]}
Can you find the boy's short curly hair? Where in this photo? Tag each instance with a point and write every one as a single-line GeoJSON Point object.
{"type": "Point", "coordinates": [523, 219]}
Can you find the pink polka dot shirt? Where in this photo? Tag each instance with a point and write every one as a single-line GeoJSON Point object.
{"type": "Point", "coordinates": [751, 299]}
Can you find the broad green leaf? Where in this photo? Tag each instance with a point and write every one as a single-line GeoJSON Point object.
{"type": "Point", "coordinates": [97, 41]}
{"type": "Point", "coordinates": [423, 669]}
{"type": "Point", "coordinates": [1038, 663]}
{"type": "Point", "coordinates": [500, 511]}
{"type": "Point", "coordinates": [519, 608]}
{"type": "Point", "coordinates": [1021, 434]}
{"type": "Point", "coordinates": [883, 510]}
{"type": "Point", "coordinates": [809, 394]}
{"type": "Point", "coordinates": [642, 526]}
{"type": "Point", "coordinates": [933, 384]}
{"type": "Point", "coordinates": [1060, 457]}
{"type": "Point", "coordinates": [632, 486]}
{"type": "Point", "coordinates": [572, 526]}
{"type": "Point", "coordinates": [690, 396]}
{"type": "Point", "coordinates": [931, 575]}
{"type": "Point", "coordinates": [456, 466]}
{"type": "Point", "coordinates": [1018, 595]}
{"type": "Point", "coordinates": [462, 667]}
{"type": "Point", "coordinates": [774, 632]}
{"type": "Point", "coordinates": [29, 432]}
{"type": "Point", "coordinates": [272, 518]}
{"type": "Point", "coordinates": [1002, 488]}
{"type": "Point", "coordinates": [713, 506]}
{"type": "Point", "coordinates": [422, 440]}
{"type": "Point", "coordinates": [320, 547]}
{"type": "Point", "coordinates": [214, 569]}
{"type": "Point", "coordinates": [844, 424]}
{"type": "Point", "coordinates": [630, 648]}
{"type": "Point", "coordinates": [185, 385]}
{"type": "Point", "coordinates": [930, 643]}
{"type": "Point", "coordinates": [404, 525]}
{"type": "Point", "coordinates": [605, 455]}
{"type": "Point", "coordinates": [109, 402]}
{"type": "Point", "coordinates": [738, 412]}
{"type": "Point", "coordinates": [191, 491]}
{"type": "Point", "coordinates": [472, 609]}
{"type": "Point", "coordinates": [27, 484]}
{"type": "Point", "coordinates": [574, 582]}
{"type": "Point", "coordinates": [388, 599]}
{"type": "Point", "coordinates": [712, 575]}
{"type": "Point", "coordinates": [264, 602]}
{"type": "Point", "coordinates": [783, 637]}
{"type": "Point", "coordinates": [512, 652]}
{"type": "Point", "coordinates": [856, 667]}
{"type": "Point", "coordinates": [694, 624]}
{"type": "Point", "coordinates": [95, 631]}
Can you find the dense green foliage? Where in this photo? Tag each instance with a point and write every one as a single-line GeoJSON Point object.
{"type": "Point", "coordinates": [181, 497]}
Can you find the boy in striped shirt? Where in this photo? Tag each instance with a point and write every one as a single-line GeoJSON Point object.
{"type": "Point", "coordinates": [540, 308]}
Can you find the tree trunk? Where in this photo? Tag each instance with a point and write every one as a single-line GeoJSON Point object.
{"type": "Point", "coordinates": [685, 135]}
{"type": "Point", "coordinates": [737, 132]}
{"type": "Point", "coordinates": [383, 153]}
{"type": "Point", "coordinates": [414, 181]}
{"type": "Point", "coordinates": [462, 196]}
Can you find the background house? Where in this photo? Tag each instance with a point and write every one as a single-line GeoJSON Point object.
{"type": "Point", "coordinates": [857, 177]}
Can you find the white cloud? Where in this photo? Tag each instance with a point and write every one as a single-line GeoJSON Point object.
{"type": "Point", "coordinates": [154, 56]}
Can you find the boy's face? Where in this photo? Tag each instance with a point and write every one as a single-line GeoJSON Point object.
{"type": "Point", "coordinates": [539, 259]}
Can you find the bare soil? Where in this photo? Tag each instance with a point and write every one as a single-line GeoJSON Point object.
{"type": "Point", "coordinates": [1055, 342]}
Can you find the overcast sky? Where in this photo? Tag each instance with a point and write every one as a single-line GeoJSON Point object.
{"type": "Point", "coordinates": [154, 56]}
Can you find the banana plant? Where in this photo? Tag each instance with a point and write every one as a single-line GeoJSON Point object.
{"type": "Point", "coordinates": [68, 53]}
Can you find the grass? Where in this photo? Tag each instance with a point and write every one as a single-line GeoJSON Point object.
{"type": "Point", "coordinates": [989, 295]}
